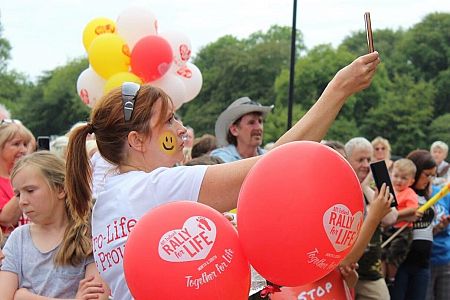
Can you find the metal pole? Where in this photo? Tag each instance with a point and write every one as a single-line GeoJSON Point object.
{"type": "Point", "coordinates": [292, 66]}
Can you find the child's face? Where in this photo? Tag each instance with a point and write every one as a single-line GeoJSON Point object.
{"type": "Point", "coordinates": [401, 179]}
{"type": "Point", "coordinates": [36, 199]}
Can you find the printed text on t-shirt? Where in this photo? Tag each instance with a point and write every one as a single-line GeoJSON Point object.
{"type": "Point", "coordinates": [107, 257]}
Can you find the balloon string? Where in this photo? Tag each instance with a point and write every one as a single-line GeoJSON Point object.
{"type": "Point", "coordinates": [269, 289]}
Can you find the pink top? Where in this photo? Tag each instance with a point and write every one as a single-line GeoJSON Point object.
{"type": "Point", "coordinates": [6, 191]}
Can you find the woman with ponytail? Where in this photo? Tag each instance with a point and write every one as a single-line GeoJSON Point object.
{"type": "Point", "coordinates": [52, 256]}
{"type": "Point", "coordinates": [137, 132]}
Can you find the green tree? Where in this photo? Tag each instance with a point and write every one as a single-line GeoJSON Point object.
{"type": "Point", "coordinates": [426, 46]}
{"type": "Point", "coordinates": [386, 42]}
{"type": "Point", "coordinates": [276, 122]}
{"type": "Point", "coordinates": [314, 71]}
{"type": "Point", "coordinates": [5, 49]}
{"type": "Point", "coordinates": [439, 129]}
{"type": "Point", "coordinates": [234, 68]}
{"type": "Point", "coordinates": [442, 98]}
{"type": "Point", "coordinates": [402, 116]}
{"type": "Point", "coordinates": [53, 106]}
{"type": "Point", "coordinates": [12, 84]}
{"type": "Point", "coordinates": [342, 130]}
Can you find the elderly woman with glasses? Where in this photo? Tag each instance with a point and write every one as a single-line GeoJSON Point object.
{"type": "Point", "coordinates": [136, 130]}
{"type": "Point", "coordinates": [382, 151]}
{"type": "Point", "coordinates": [14, 139]}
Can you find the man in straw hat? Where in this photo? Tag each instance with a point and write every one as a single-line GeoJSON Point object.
{"type": "Point", "coordinates": [239, 130]}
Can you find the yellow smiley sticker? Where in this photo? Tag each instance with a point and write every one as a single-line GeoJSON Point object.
{"type": "Point", "coordinates": [168, 141]}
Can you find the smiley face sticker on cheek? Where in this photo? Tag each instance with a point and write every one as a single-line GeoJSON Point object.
{"type": "Point", "coordinates": [168, 142]}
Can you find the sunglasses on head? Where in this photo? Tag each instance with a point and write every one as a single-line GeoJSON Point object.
{"type": "Point", "coordinates": [10, 121]}
{"type": "Point", "coordinates": [129, 96]}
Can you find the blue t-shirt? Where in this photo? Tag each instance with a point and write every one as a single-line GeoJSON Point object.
{"type": "Point", "coordinates": [229, 153]}
{"type": "Point", "coordinates": [440, 253]}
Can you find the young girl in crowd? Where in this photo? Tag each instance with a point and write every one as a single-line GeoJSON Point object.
{"type": "Point", "coordinates": [136, 130]}
{"type": "Point", "coordinates": [14, 139]}
{"type": "Point", "coordinates": [52, 256]}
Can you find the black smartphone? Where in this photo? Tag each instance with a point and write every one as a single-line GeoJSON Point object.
{"type": "Point", "coordinates": [369, 34]}
{"type": "Point", "coordinates": [43, 142]}
{"type": "Point", "coordinates": [381, 175]}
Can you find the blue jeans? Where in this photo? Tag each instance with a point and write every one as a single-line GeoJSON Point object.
{"type": "Point", "coordinates": [411, 283]}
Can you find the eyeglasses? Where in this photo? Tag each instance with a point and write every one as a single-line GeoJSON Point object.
{"type": "Point", "coordinates": [129, 95]}
{"type": "Point", "coordinates": [380, 148]}
{"type": "Point", "coordinates": [429, 176]}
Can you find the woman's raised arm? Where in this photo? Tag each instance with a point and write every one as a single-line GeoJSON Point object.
{"type": "Point", "coordinates": [222, 183]}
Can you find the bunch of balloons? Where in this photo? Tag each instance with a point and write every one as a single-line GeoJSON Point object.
{"type": "Point", "coordinates": [131, 49]}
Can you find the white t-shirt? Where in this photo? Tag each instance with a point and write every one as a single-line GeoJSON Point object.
{"type": "Point", "coordinates": [101, 169]}
{"type": "Point", "coordinates": [124, 200]}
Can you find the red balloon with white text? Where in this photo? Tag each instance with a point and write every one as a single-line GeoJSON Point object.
{"type": "Point", "coordinates": [185, 250]}
{"type": "Point", "coordinates": [300, 210]}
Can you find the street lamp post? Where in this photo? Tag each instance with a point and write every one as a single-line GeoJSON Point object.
{"type": "Point", "coordinates": [292, 66]}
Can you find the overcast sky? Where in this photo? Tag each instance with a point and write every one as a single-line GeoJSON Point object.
{"type": "Point", "coordinates": [45, 34]}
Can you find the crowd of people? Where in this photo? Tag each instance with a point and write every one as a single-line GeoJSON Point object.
{"type": "Point", "coordinates": [135, 154]}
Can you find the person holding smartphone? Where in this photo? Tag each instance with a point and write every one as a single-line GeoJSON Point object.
{"type": "Point", "coordinates": [136, 129]}
{"type": "Point", "coordinates": [371, 283]}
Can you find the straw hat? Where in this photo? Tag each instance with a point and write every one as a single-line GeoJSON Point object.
{"type": "Point", "coordinates": [237, 109]}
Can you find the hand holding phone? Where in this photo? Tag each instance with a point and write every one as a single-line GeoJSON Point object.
{"type": "Point", "coordinates": [381, 175]}
{"type": "Point", "coordinates": [369, 34]}
{"type": "Point", "coordinates": [43, 142]}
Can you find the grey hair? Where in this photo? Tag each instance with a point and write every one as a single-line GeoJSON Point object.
{"type": "Point", "coordinates": [439, 144]}
{"type": "Point", "coordinates": [357, 143]}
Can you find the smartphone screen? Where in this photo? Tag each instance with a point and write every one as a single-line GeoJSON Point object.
{"type": "Point", "coordinates": [381, 175]}
{"type": "Point", "coordinates": [43, 142]}
{"type": "Point", "coordinates": [369, 34]}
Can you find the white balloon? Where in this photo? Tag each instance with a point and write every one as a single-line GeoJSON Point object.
{"type": "Point", "coordinates": [192, 78]}
{"type": "Point", "coordinates": [90, 86]}
{"type": "Point", "coordinates": [134, 23]}
{"type": "Point", "coordinates": [173, 86]}
{"type": "Point", "coordinates": [181, 48]}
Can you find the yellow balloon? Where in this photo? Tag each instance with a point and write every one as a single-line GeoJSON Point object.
{"type": "Point", "coordinates": [108, 55]}
{"type": "Point", "coordinates": [95, 28]}
{"type": "Point", "coordinates": [119, 78]}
